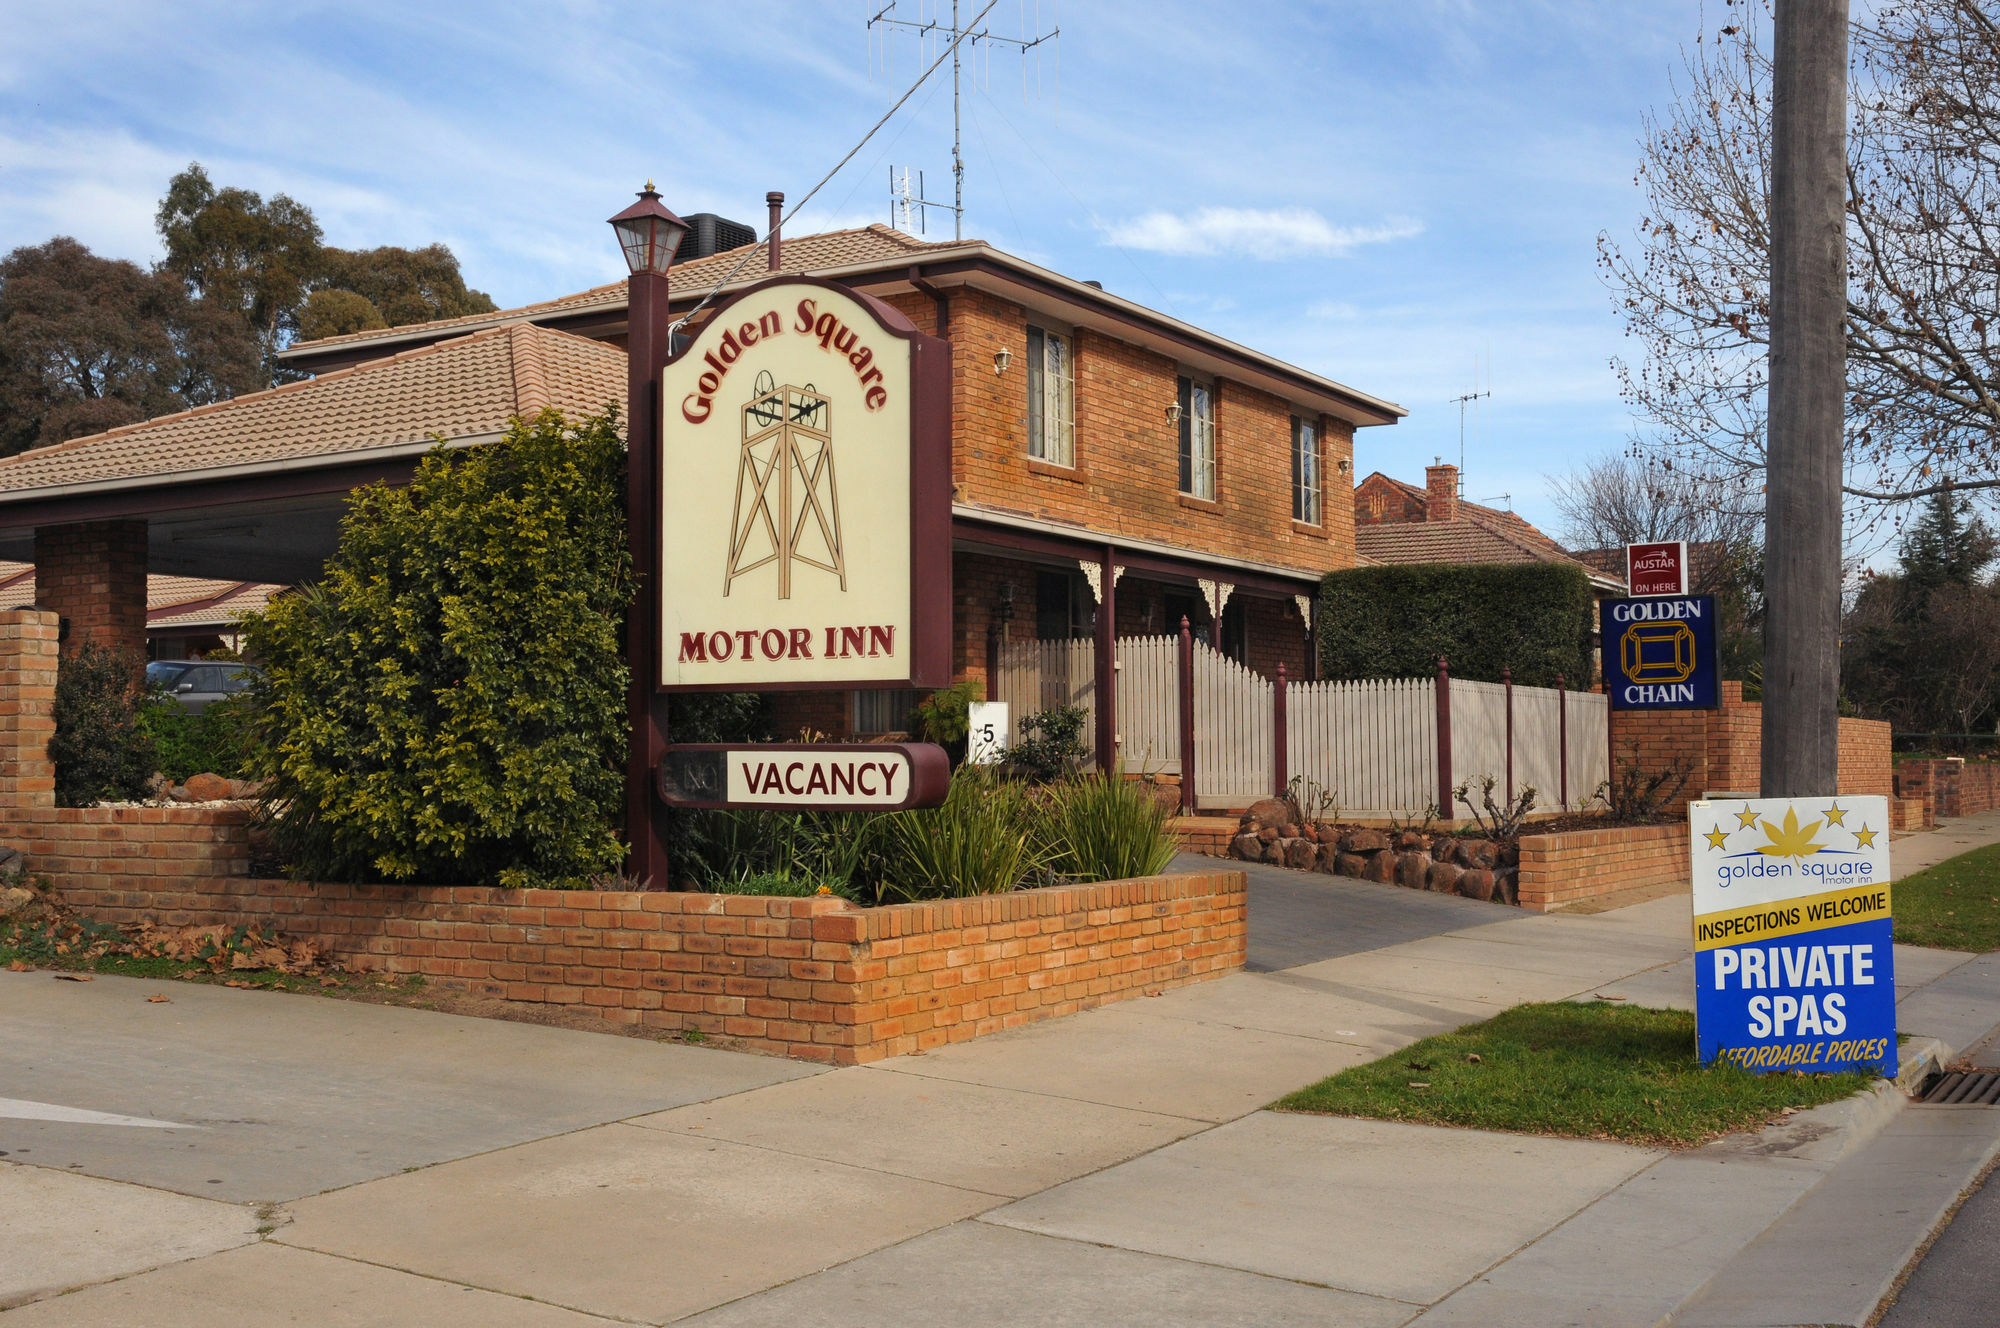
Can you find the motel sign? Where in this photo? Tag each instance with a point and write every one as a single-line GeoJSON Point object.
{"type": "Point", "coordinates": [1659, 654]}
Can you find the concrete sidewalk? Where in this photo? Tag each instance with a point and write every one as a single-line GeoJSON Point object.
{"type": "Point", "coordinates": [1111, 1168]}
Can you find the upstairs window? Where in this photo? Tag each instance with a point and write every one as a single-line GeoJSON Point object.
{"type": "Point", "coordinates": [1197, 439]}
{"type": "Point", "coordinates": [1051, 398]}
{"type": "Point", "coordinates": [1305, 472]}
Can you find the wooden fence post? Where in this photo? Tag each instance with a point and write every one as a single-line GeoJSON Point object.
{"type": "Point", "coordinates": [1562, 743]}
{"type": "Point", "coordinates": [1279, 752]}
{"type": "Point", "coordinates": [1444, 737]}
{"type": "Point", "coordinates": [1187, 717]}
{"type": "Point", "coordinates": [1507, 681]}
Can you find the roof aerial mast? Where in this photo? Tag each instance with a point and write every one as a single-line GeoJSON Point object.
{"type": "Point", "coordinates": [933, 29]}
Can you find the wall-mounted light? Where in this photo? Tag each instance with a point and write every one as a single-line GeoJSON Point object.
{"type": "Point", "coordinates": [1342, 463]}
{"type": "Point", "coordinates": [1001, 359]}
{"type": "Point", "coordinates": [1173, 412]}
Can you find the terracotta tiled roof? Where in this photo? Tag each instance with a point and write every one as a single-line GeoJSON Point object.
{"type": "Point", "coordinates": [1471, 539]}
{"type": "Point", "coordinates": [807, 253]}
{"type": "Point", "coordinates": [171, 601]}
{"type": "Point", "coordinates": [1512, 523]}
{"type": "Point", "coordinates": [465, 387]}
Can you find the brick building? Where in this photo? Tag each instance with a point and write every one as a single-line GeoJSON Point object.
{"type": "Point", "coordinates": [1114, 469]}
{"type": "Point", "coordinates": [1397, 522]}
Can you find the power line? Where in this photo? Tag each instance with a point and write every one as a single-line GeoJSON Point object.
{"type": "Point", "coordinates": [752, 251]}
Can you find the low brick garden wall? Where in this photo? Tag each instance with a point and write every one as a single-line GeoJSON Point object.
{"type": "Point", "coordinates": [816, 978]}
{"type": "Point", "coordinates": [1558, 870]}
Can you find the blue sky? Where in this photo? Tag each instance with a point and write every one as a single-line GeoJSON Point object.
{"type": "Point", "coordinates": [1385, 193]}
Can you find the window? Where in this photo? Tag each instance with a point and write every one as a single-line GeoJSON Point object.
{"type": "Point", "coordinates": [884, 712]}
{"type": "Point", "coordinates": [1063, 607]}
{"type": "Point", "coordinates": [1197, 439]}
{"type": "Point", "coordinates": [1305, 472]}
{"type": "Point", "coordinates": [1051, 398]}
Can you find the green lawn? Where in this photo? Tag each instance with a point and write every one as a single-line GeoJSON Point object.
{"type": "Point", "coordinates": [1952, 906]}
{"type": "Point", "coordinates": [1590, 1071]}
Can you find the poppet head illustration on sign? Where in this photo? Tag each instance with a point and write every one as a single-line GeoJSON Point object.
{"type": "Point", "coordinates": [787, 500]}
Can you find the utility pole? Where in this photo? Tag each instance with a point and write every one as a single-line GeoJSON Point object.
{"type": "Point", "coordinates": [1807, 400]}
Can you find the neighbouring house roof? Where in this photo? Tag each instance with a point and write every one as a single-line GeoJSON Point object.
{"type": "Point", "coordinates": [466, 388]}
{"type": "Point", "coordinates": [877, 256]}
{"type": "Point", "coordinates": [1479, 535]}
{"type": "Point", "coordinates": [171, 601]}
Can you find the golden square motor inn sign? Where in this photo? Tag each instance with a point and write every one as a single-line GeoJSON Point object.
{"type": "Point", "coordinates": [806, 497]}
{"type": "Point", "coordinates": [1793, 933]}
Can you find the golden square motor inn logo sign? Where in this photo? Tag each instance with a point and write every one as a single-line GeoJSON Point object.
{"type": "Point", "coordinates": [806, 496]}
{"type": "Point", "coordinates": [1793, 935]}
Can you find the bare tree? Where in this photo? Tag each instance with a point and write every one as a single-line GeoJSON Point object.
{"type": "Point", "coordinates": [1617, 500]}
{"type": "Point", "coordinates": [1922, 407]}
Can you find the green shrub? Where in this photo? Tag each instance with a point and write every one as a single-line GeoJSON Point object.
{"type": "Point", "coordinates": [1053, 746]}
{"type": "Point", "coordinates": [836, 849]}
{"type": "Point", "coordinates": [99, 749]}
{"type": "Point", "coordinates": [448, 704]}
{"type": "Point", "coordinates": [769, 883]}
{"type": "Point", "coordinates": [982, 841]}
{"type": "Point", "coordinates": [1105, 829]}
{"type": "Point", "coordinates": [1394, 622]}
{"type": "Point", "coordinates": [217, 741]}
{"type": "Point", "coordinates": [945, 717]}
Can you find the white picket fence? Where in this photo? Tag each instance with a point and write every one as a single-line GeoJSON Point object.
{"type": "Point", "coordinates": [1372, 745]}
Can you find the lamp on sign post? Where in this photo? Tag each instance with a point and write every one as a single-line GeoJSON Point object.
{"type": "Point", "coordinates": [648, 234]}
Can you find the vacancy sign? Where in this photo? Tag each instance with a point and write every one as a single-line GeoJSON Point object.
{"type": "Point", "coordinates": [805, 776]}
{"type": "Point", "coordinates": [1794, 966]}
{"type": "Point", "coordinates": [805, 496]}
{"type": "Point", "coordinates": [1657, 569]}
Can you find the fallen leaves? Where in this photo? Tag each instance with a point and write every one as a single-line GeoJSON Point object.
{"type": "Point", "coordinates": [20, 966]}
{"type": "Point", "coordinates": [157, 999]}
{"type": "Point", "coordinates": [74, 977]}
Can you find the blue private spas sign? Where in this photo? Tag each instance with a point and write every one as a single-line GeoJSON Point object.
{"type": "Point", "coordinates": [1793, 934]}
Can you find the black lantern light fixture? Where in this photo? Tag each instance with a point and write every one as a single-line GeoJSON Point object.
{"type": "Point", "coordinates": [649, 234]}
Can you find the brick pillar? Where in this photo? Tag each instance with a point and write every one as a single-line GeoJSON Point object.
{"type": "Point", "coordinates": [93, 573]}
{"type": "Point", "coordinates": [27, 715]}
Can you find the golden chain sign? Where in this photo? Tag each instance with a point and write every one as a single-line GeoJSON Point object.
{"type": "Point", "coordinates": [805, 496]}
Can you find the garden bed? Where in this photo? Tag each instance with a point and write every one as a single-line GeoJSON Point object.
{"type": "Point", "coordinates": [816, 978]}
{"type": "Point", "coordinates": [1558, 862]}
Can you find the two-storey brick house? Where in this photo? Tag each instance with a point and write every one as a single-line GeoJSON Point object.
{"type": "Point", "coordinates": [1103, 453]}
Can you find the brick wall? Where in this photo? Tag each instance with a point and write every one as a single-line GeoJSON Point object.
{"type": "Point", "coordinates": [1589, 864]}
{"type": "Point", "coordinates": [1127, 473]}
{"type": "Point", "coordinates": [812, 978]}
{"type": "Point", "coordinates": [1951, 787]}
{"type": "Point", "coordinates": [27, 707]}
{"type": "Point", "coordinates": [1723, 748]}
{"type": "Point", "coordinates": [93, 574]}
{"type": "Point", "coordinates": [1379, 499]}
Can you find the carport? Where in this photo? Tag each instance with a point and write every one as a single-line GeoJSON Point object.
{"type": "Point", "coordinates": [253, 489]}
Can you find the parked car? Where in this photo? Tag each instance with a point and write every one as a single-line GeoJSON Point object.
{"type": "Point", "coordinates": [198, 684]}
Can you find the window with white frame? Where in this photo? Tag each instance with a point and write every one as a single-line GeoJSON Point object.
{"type": "Point", "coordinates": [1197, 428]}
{"type": "Point", "coordinates": [1305, 472]}
{"type": "Point", "coordinates": [1051, 397]}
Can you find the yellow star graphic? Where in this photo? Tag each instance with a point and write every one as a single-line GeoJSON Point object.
{"type": "Point", "coordinates": [1834, 814]}
{"type": "Point", "coordinates": [1864, 837]}
{"type": "Point", "coordinates": [1716, 836]}
{"type": "Point", "coordinates": [1745, 818]}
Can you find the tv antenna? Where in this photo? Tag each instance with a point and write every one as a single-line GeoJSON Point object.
{"type": "Point", "coordinates": [935, 29]}
{"type": "Point", "coordinates": [1462, 400]}
{"type": "Point", "coordinates": [906, 207]}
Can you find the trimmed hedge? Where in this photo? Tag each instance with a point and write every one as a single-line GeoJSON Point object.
{"type": "Point", "coordinates": [1394, 622]}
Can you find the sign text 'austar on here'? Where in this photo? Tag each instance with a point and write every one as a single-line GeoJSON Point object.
{"type": "Point", "coordinates": [1793, 937]}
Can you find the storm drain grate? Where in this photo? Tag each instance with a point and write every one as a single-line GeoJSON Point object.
{"type": "Point", "coordinates": [1977, 1089]}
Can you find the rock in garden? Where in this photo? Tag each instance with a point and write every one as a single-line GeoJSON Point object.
{"type": "Point", "coordinates": [1479, 854]}
{"type": "Point", "coordinates": [1269, 811]}
{"type": "Point", "coordinates": [1504, 885]}
{"type": "Point", "coordinates": [1302, 854]}
{"type": "Point", "coordinates": [1364, 841]}
{"type": "Point", "coordinates": [207, 788]}
{"type": "Point", "coordinates": [1326, 864]}
{"type": "Point", "coordinates": [1268, 833]}
{"type": "Point", "coordinates": [11, 862]}
{"type": "Point", "coordinates": [1409, 841]}
{"type": "Point", "coordinates": [1246, 848]}
{"type": "Point", "coordinates": [1476, 884]}
{"type": "Point", "coordinates": [1274, 852]}
{"type": "Point", "coordinates": [1346, 864]}
{"type": "Point", "coordinates": [1443, 877]}
{"type": "Point", "coordinates": [1290, 830]}
{"type": "Point", "coordinates": [13, 899]}
{"type": "Point", "coordinates": [179, 793]}
{"type": "Point", "coordinates": [1380, 867]}
{"type": "Point", "coordinates": [1509, 855]}
{"type": "Point", "coordinates": [1412, 869]}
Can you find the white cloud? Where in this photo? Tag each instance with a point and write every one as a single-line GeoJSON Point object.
{"type": "Point", "coordinates": [1256, 232]}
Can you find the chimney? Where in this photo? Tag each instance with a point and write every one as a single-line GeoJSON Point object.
{"type": "Point", "coordinates": [776, 200]}
{"type": "Point", "coordinates": [1442, 483]}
